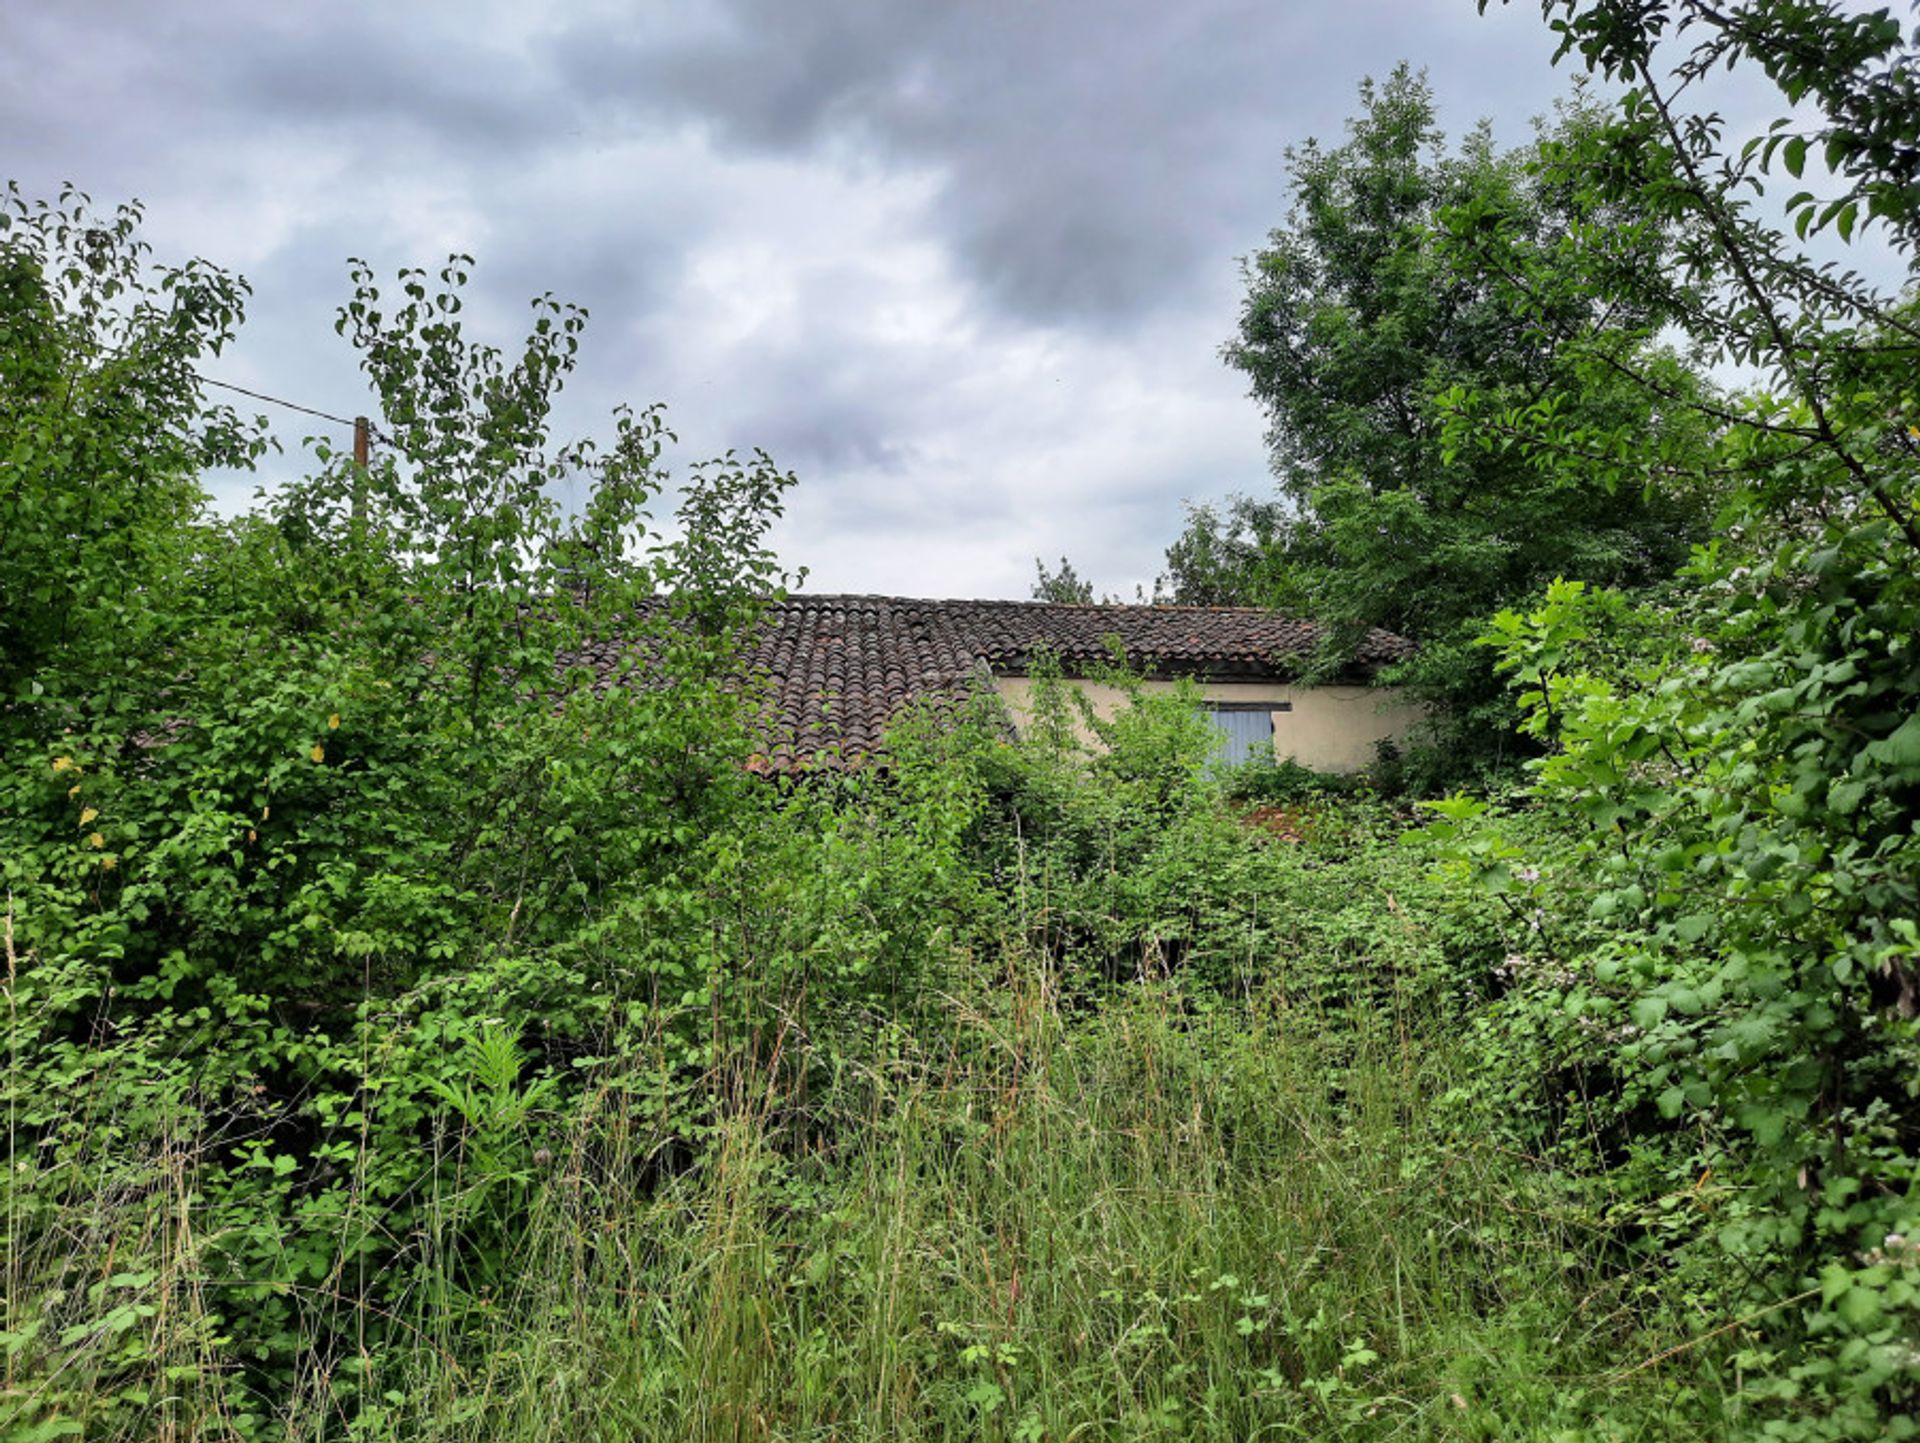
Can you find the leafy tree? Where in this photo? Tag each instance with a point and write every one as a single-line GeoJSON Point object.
{"type": "Point", "coordinates": [1741, 956]}
{"type": "Point", "coordinates": [1064, 585]}
{"type": "Point", "coordinates": [291, 806]}
{"type": "Point", "coordinates": [1233, 557]}
{"type": "Point", "coordinates": [1354, 326]}
{"type": "Point", "coordinates": [104, 429]}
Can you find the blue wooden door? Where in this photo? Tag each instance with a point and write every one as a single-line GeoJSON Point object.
{"type": "Point", "coordinates": [1244, 735]}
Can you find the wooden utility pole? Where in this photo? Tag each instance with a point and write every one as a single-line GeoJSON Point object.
{"type": "Point", "coordinates": [362, 447]}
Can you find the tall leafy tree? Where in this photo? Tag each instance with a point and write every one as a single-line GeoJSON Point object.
{"type": "Point", "coordinates": [1355, 325]}
{"type": "Point", "coordinates": [104, 431]}
{"type": "Point", "coordinates": [1751, 790]}
{"type": "Point", "coordinates": [265, 781]}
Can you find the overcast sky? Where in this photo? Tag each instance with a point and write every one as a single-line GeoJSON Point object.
{"type": "Point", "coordinates": [966, 268]}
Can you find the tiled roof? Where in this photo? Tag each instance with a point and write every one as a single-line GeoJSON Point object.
{"type": "Point", "coordinates": [1203, 640]}
{"type": "Point", "coordinates": [838, 670]}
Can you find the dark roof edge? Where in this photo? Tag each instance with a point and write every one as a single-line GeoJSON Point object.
{"type": "Point", "coordinates": [1152, 668]}
{"type": "Point", "coordinates": [1029, 603]}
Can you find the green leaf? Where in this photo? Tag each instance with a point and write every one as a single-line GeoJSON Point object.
{"type": "Point", "coordinates": [1767, 1124]}
{"type": "Point", "coordinates": [1693, 927]}
{"type": "Point", "coordinates": [1901, 750]}
{"type": "Point", "coordinates": [1860, 1307]}
{"type": "Point", "coordinates": [986, 1396]}
{"type": "Point", "coordinates": [1844, 797]}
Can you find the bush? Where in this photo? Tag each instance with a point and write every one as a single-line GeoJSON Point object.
{"type": "Point", "coordinates": [1263, 781]}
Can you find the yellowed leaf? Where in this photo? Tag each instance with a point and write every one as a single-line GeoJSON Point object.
{"type": "Point", "coordinates": [94, 839]}
{"type": "Point", "coordinates": [62, 764]}
{"type": "Point", "coordinates": [88, 815]}
{"type": "Point", "coordinates": [319, 753]}
{"type": "Point", "coordinates": [333, 722]}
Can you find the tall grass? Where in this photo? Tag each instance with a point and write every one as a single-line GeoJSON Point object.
{"type": "Point", "coordinates": [1162, 1219]}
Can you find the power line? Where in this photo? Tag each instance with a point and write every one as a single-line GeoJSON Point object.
{"type": "Point", "coordinates": [348, 421]}
{"type": "Point", "coordinates": [277, 401]}
{"type": "Point", "coordinates": [363, 430]}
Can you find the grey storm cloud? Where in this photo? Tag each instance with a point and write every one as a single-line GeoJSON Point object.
{"type": "Point", "coordinates": [466, 97]}
{"type": "Point", "coordinates": [829, 434]}
{"type": "Point", "coordinates": [1093, 158]}
{"type": "Point", "coordinates": [966, 268]}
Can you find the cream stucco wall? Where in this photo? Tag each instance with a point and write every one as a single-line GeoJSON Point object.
{"type": "Point", "coordinates": [1329, 728]}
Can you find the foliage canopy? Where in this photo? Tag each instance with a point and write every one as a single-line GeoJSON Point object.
{"type": "Point", "coordinates": [1738, 949]}
{"type": "Point", "coordinates": [1356, 327]}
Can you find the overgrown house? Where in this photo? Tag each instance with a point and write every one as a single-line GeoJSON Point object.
{"type": "Point", "coordinates": [840, 669]}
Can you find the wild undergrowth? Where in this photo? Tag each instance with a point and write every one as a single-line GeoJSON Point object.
{"type": "Point", "coordinates": [1157, 1226]}
{"type": "Point", "coordinates": [1176, 1216]}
